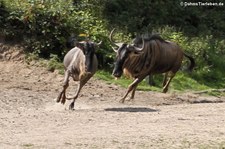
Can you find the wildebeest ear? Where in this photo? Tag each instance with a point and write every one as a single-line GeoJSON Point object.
{"type": "Point", "coordinates": [133, 51]}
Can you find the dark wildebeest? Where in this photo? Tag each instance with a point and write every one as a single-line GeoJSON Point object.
{"type": "Point", "coordinates": [155, 56]}
{"type": "Point", "coordinates": [81, 64]}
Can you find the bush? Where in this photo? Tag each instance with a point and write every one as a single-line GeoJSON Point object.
{"type": "Point", "coordinates": [45, 26]}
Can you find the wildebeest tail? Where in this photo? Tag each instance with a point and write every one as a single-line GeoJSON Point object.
{"type": "Point", "coordinates": [192, 65]}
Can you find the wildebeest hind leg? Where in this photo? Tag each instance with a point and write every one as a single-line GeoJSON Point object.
{"type": "Point", "coordinates": [80, 85]}
{"type": "Point", "coordinates": [165, 79]}
{"type": "Point", "coordinates": [62, 94]}
{"type": "Point", "coordinates": [151, 81]}
{"type": "Point", "coordinates": [165, 88]}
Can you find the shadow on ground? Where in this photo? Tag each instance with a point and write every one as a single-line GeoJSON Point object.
{"type": "Point", "coordinates": [131, 109]}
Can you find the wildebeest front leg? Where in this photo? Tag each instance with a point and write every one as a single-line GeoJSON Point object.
{"type": "Point", "coordinates": [80, 85]}
{"type": "Point", "coordinates": [71, 107]}
{"type": "Point", "coordinates": [133, 92]}
{"type": "Point", "coordinates": [62, 94]}
{"type": "Point", "coordinates": [132, 87]}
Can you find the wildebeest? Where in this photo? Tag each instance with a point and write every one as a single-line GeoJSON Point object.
{"type": "Point", "coordinates": [148, 56]}
{"type": "Point", "coordinates": [80, 63]}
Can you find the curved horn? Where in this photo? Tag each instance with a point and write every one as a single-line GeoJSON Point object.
{"type": "Point", "coordinates": [137, 49]}
{"type": "Point", "coordinates": [110, 36]}
{"type": "Point", "coordinates": [114, 49]}
{"type": "Point", "coordinates": [111, 40]}
{"type": "Point", "coordinates": [98, 44]}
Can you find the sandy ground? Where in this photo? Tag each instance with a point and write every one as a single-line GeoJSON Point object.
{"type": "Point", "coordinates": [30, 117]}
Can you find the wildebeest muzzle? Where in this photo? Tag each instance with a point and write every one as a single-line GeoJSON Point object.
{"type": "Point", "coordinates": [117, 71]}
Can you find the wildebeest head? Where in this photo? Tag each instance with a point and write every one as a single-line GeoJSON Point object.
{"type": "Point", "coordinates": [88, 48]}
{"type": "Point", "coordinates": [123, 51]}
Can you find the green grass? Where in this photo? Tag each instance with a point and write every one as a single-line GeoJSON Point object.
{"type": "Point", "coordinates": [181, 82]}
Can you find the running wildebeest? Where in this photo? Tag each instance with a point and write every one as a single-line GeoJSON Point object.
{"type": "Point", "coordinates": [80, 63]}
{"type": "Point", "coordinates": [155, 56]}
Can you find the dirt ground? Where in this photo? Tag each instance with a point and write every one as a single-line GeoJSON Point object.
{"type": "Point", "coordinates": [30, 117]}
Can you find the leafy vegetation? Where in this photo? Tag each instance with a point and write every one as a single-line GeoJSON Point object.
{"type": "Point", "coordinates": [46, 27]}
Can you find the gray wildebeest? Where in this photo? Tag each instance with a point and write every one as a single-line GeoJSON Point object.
{"type": "Point", "coordinates": [80, 63]}
{"type": "Point", "coordinates": [148, 56]}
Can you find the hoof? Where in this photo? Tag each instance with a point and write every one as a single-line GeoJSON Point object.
{"type": "Point", "coordinates": [131, 99]}
{"type": "Point", "coordinates": [63, 99]}
{"type": "Point", "coordinates": [71, 107]}
{"type": "Point", "coordinates": [58, 98]}
{"type": "Point", "coordinates": [122, 100]}
{"type": "Point", "coordinates": [165, 90]}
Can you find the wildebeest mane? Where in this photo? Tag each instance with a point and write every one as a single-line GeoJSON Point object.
{"type": "Point", "coordinates": [148, 37]}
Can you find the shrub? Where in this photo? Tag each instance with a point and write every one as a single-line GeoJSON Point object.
{"type": "Point", "coordinates": [46, 26]}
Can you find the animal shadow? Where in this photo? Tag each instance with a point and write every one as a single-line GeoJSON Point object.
{"type": "Point", "coordinates": [131, 109]}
